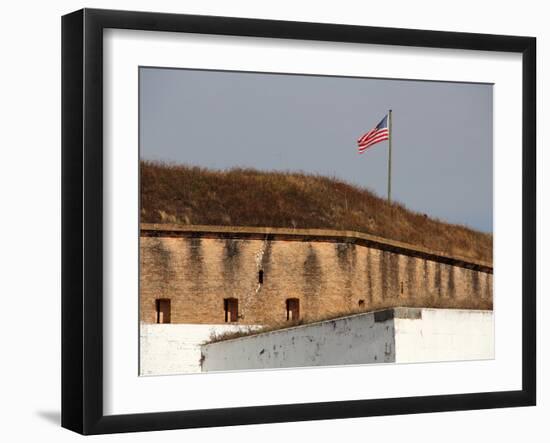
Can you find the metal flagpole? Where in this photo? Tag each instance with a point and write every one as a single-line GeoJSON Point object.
{"type": "Point", "coordinates": [389, 156]}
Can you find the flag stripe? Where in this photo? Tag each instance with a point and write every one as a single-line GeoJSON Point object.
{"type": "Point", "coordinates": [367, 135]}
{"type": "Point", "coordinates": [364, 147]}
{"type": "Point", "coordinates": [373, 140]}
{"type": "Point", "coordinates": [379, 134]}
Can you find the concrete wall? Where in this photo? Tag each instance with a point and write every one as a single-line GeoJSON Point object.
{"type": "Point", "coordinates": [349, 340]}
{"type": "Point", "coordinates": [175, 349]}
{"type": "Point", "coordinates": [330, 272]}
{"type": "Point", "coordinates": [393, 335]}
{"type": "Point", "coordinates": [445, 334]}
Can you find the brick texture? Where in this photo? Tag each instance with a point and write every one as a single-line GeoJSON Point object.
{"type": "Point", "coordinates": [197, 272]}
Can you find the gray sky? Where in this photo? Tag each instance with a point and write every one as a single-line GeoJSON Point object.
{"type": "Point", "coordinates": [442, 152]}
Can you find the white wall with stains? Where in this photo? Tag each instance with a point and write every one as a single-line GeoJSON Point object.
{"type": "Point", "coordinates": [393, 335]}
{"type": "Point", "coordinates": [354, 339]}
{"type": "Point", "coordinates": [444, 335]}
{"type": "Point", "coordinates": [175, 348]}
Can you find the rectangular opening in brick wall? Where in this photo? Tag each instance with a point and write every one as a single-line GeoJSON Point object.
{"type": "Point", "coordinates": [292, 309]}
{"type": "Point", "coordinates": [231, 308]}
{"type": "Point", "coordinates": [261, 277]}
{"type": "Point", "coordinates": [163, 310]}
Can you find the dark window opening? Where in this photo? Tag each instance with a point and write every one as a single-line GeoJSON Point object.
{"type": "Point", "coordinates": [401, 287]}
{"type": "Point", "coordinates": [162, 306]}
{"type": "Point", "coordinates": [261, 277]}
{"type": "Point", "coordinates": [292, 309]}
{"type": "Point", "coordinates": [361, 303]}
{"type": "Point", "coordinates": [231, 308]}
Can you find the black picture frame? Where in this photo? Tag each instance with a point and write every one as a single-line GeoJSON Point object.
{"type": "Point", "coordinates": [82, 218]}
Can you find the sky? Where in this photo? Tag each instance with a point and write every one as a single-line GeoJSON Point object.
{"type": "Point", "coordinates": [442, 145]}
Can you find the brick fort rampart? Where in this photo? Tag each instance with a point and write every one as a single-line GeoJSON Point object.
{"type": "Point", "coordinates": [212, 275]}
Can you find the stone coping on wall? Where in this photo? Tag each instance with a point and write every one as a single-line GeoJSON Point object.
{"type": "Point", "coordinates": [379, 316]}
{"type": "Point", "coordinates": [321, 235]}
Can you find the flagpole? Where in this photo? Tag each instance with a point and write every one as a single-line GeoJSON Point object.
{"type": "Point", "coordinates": [389, 156]}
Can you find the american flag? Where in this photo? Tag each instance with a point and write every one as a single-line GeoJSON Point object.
{"type": "Point", "coordinates": [379, 133]}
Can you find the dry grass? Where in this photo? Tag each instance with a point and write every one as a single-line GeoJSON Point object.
{"type": "Point", "coordinates": [247, 197]}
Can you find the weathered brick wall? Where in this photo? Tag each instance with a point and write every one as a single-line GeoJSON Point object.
{"type": "Point", "coordinates": [329, 275]}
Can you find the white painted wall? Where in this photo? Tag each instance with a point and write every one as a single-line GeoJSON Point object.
{"type": "Point", "coordinates": [445, 335]}
{"type": "Point", "coordinates": [434, 335]}
{"type": "Point", "coordinates": [175, 348]}
{"type": "Point", "coordinates": [350, 340]}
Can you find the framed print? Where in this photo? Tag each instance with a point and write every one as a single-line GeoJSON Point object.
{"type": "Point", "coordinates": [268, 221]}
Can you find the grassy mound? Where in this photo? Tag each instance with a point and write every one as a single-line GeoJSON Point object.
{"type": "Point", "coordinates": [247, 197]}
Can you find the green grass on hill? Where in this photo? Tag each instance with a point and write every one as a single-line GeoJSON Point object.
{"type": "Point", "coordinates": [247, 197]}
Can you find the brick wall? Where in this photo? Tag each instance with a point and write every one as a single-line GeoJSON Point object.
{"type": "Point", "coordinates": [328, 272]}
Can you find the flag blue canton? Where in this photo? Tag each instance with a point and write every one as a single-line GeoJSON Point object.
{"type": "Point", "coordinates": [383, 123]}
